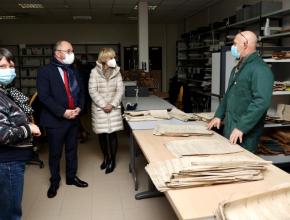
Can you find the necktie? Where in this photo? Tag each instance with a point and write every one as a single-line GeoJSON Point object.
{"type": "Point", "coordinates": [71, 104]}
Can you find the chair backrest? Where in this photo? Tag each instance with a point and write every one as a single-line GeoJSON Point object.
{"type": "Point", "coordinates": [36, 105]}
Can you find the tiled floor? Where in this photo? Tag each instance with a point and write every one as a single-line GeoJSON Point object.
{"type": "Point", "coordinates": [108, 197]}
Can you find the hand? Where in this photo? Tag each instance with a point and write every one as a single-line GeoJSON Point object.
{"type": "Point", "coordinates": [215, 122]}
{"type": "Point", "coordinates": [77, 111]}
{"type": "Point", "coordinates": [108, 108]}
{"type": "Point", "coordinates": [235, 136]}
{"type": "Point", "coordinates": [34, 130]}
{"type": "Point", "coordinates": [69, 114]}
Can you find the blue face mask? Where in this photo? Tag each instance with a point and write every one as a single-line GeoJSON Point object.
{"type": "Point", "coordinates": [7, 75]}
{"type": "Point", "coordinates": [235, 52]}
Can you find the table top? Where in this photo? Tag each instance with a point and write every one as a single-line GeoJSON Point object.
{"type": "Point", "coordinates": [151, 102]}
{"type": "Point", "coordinates": [201, 202]}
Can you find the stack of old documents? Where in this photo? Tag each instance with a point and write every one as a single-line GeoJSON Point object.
{"type": "Point", "coordinates": [283, 112]}
{"type": "Point", "coordinates": [264, 205]}
{"type": "Point", "coordinates": [203, 171]}
{"type": "Point", "coordinates": [180, 115]}
{"type": "Point", "coordinates": [194, 147]}
{"type": "Point", "coordinates": [181, 130]}
{"type": "Point", "coordinates": [150, 115]}
{"type": "Point", "coordinates": [158, 114]}
{"type": "Point", "coordinates": [204, 116]}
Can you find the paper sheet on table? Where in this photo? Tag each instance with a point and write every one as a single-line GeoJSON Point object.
{"type": "Point", "coordinates": [192, 147]}
{"type": "Point", "coordinates": [264, 205]}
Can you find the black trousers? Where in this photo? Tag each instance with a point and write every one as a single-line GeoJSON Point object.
{"type": "Point", "coordinates": [57, 137]}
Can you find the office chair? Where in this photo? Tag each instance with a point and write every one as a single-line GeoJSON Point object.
{"type": "Point", "coordinates": [35, 104]}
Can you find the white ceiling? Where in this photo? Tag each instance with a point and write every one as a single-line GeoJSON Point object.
{"type": "Point", "coordinates": [101, 11]}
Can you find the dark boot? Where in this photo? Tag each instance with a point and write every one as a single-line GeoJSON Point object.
{"type": "Point", "coordinates": [105, 163]}
{"type": "Point", "coordinates": [103, 140]}
{"type": "Point", "coordinates": [111, 166]}
{"type": "Point", "coordinates": [113, 145]}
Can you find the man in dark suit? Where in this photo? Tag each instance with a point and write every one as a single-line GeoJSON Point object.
{"type": "Point", "coordinates": [62, 99]}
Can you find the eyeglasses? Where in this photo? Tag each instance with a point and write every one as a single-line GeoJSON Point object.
{"type": "Point", "coordinates": [244, 37]}
{"type": "Point", "coordinates": [66, 51]}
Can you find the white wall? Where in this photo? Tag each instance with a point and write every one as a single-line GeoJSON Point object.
{"type": "Point", "coordinates": [164, 35]}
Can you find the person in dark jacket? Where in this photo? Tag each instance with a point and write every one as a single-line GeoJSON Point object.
{"type": "Point", "coordinates": [248, 95]}
{"type": "Point", "coordinates": [15, 141]}
{"type": "Point", "coordinates": [61, 96]}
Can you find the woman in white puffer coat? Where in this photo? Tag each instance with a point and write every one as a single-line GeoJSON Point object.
{"type": "Point", "coordinates": [106, 90]}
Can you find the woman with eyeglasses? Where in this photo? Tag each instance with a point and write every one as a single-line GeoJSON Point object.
{"type": "Point", "coordinates": [15, 140]}
{"type": "Point", "coordinates": [106, 90]}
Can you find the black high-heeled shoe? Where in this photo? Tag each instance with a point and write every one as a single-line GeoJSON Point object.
{"type": "Point", "coordinates": [105, 163]}
{"type": "Point", "coordinates": [110, 167]}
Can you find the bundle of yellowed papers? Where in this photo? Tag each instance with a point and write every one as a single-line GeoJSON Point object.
{"type": "Point", "coordinates": [151, 115]}
{"type": "Point", "coordinates": [271, 204]}
{"type": "Point", "coordinates": [193, 147]}
{"type": "Point", "coordinates": [203, 171]}
{"type": "Point", "coordinates": [181, 130]}
{"type": "Point", "coordinates": [204, 116]}
{"type": "Point", "coordinates": [180, 115]}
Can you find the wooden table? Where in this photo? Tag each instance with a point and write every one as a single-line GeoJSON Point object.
{"type": "Point", "coordinates": [201, 202]}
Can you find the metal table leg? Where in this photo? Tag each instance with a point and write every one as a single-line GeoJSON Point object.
{"type": "Point", "coordinates": [150, 193]}
{"type": "Point", "coordinates": [132, 167]}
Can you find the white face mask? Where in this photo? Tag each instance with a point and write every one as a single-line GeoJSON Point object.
{"type": "Point", "coordinates": [112, 63]}
{"type": "Point", "coordinates": [69, 58]}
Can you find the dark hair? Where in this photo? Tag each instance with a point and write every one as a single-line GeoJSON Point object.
{"type": "Point", "coordinates": [7, 54]}
{"type": "Point", "coordinates": [57, 44]}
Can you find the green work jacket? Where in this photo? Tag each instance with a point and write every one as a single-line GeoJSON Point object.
{"type": "Point", "coordinates": [247, 100]}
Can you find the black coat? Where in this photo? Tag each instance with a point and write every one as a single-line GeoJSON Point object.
{"type": "Point", "coordinates": [15, 134]}
{"type": "Point", "coordinates": [52, 95]}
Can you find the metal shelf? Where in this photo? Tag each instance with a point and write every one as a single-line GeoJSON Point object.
{"type": "Point", "coordinates": [239, 23]}
{"type": "Point", "coordinates": [199, 81]}
{"type": "Point", "coordinates": [276, 14]}
{"type": "Point", "coordinates": [253, 20]}
{"type": "Point", "coordinates": [274, 125]}
{"type": "Point", "coordinates": [198, 58]}
{"type": "Point", "coordinates": [275, 36]}
{"type": "Point", "coordinates": [270, 60]}
{"type": "Point", "coordinates": [197, 48]}
{"type": "Point", "coordinates": [281, 93]}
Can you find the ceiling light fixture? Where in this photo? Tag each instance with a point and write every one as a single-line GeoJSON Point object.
{"type": "Point", "coordinates": [7, 17]}
{"type": "Point", "coordinates": [29, 5]}
{"type": "Point", "coordinates": [150, 7]}
{"type": "Point", "coordinates": [82, 17]}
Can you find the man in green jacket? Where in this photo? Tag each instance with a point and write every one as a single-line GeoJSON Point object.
{"type": "Point", "coordinates": [248, 95]}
